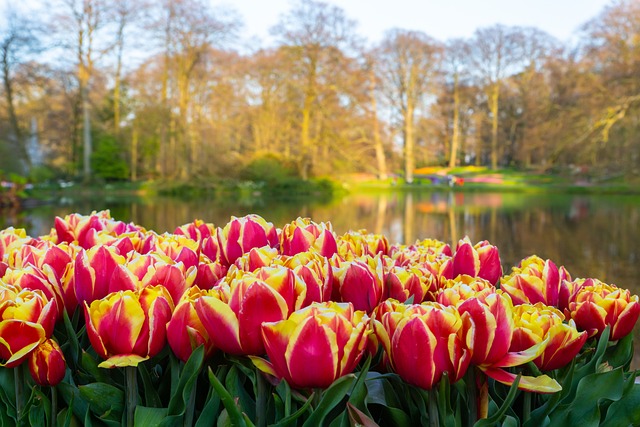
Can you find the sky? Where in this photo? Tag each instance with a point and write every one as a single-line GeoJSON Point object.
{"type": "Point", "coordinates": [441, 19]}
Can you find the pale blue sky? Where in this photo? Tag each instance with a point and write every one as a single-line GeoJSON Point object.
{"type": "Point", "coordinates": [441, 19]}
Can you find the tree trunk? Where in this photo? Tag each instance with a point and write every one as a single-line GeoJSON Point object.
{"type": "Point", "coordinates": [134, 153]}
{"type": "Point", "coordinates": [495, 92]}
{"type": "Point", "coordinates": [409, 159]}
{"type": "Point", "coordinates": [377, 141]}
{"type": "Point", "coordinates": [305, 140]}
{"type": "Point", "coordinates": [19, 143]}
{"type": "Point", "coordinates": [456, 123]}
{"type": "Point", "coordinates": [87, 143]}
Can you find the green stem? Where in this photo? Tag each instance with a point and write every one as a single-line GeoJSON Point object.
{"type": "Point", "coordinates": [472, 395]}
{"type": "Point", "coordinates": [526, 407]}
{"type": "Point", "coordinates": [434, 419]}
{"type": "Point", "coordinates": [261, 403]}
{"type": "Point", "coordinates": [317, 397]}
{"type": "Point", "coordinates": [132, 393]}
{"type": "Point", "coordinates": [191, 406]}
{"type": "Point", "coordinates": [19, 387]}
{"type": "Point", "coordinates": [54, 406]}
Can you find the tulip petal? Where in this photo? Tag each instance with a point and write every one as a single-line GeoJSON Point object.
{"type": "Point", "coordinates": [220, 323]}
{"type": "Point", "coordinates": [312, 345]}
{"type": "Point", "coordinates": [541, 384]}
{"type": "Point", "coordinates": [122, 360]}
{"type": "Point", "coordinates": [17, 339]}
{"type": "Point", "coordinates": [517, 358]}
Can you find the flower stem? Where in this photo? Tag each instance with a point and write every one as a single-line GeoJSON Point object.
{"type": "Point", "coordinates": [434, 420]}
{"type": "Point", "coordinates": [54, 406]}
{"type": "Point", "coordinates": [472, 395]}
{"type": "Point", "coordinates": [19, 387]}
{"type": "Point", "coordinates": [261, 403]}
{"type": "Point", "coordinates": [526, 407]}
{"type": "Point", "coordinates": [317, 397]}
{"type": "Point", "coordinates": [191, 405]}
{"type": "Point", "coordinates": [131, 382]}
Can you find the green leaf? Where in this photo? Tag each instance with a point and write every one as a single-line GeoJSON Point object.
{"type": "Point", "coordinates": [71, 395]}
{"type": "Point", "coordinates": [209, 411]}
{"type": "Point", "coordinates": [621, 353]}
{"type": "Point", "coordinates": [330, 399]}
{"type": "Point", "coordinates": [227, 400]}
{"type": "Point", "coordinates": [72, 339]}
{"type": "Point", "coordinates": [359, 418]}
{"type": "Point", "coordinates": [151, 396]}
{"type": "Point", "coordinates": [584, 410]}
{"type": "Point", "coordinates": [104, 400]}
{"type": "Point", "coordinates": [626, 410]}
{"type": "Point", "coordinates": [180, 396]}
{"type": "Point", "coordinates": [290, 420]}
{"type": "Point", "coordinates": [510, 421]}
{"type": "Point", "coordinates": [148, 417]}
{"type": "Point", "coordinates": [358, 394]}
{"type": "Point", "coordinates": [235, 384]}
{"type": "Point", "coordinates": [497, 416]}
{"type": "Point", "coordinates": [90, 365]}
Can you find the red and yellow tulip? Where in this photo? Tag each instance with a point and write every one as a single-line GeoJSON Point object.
{"type": "Point", "coordinates": [315, 345]}
{"type": "Point", "coordinates": [487, 328]}
{"type": "Point", "coordinates": [185, 331]}
{"type": "Point", "coordinates": [535, 280]}
{"type": "Point", "coordinates": [47, 364]}
{"type": "Point", "coordinates": [422, 342]}
{"type": "Point", "coordinates": [241, 235]}
{"type": "Point", "coordinates": [126, 327]}
{"type": "Point", "coordinates": [355, 244]}
{"type": "Point", "coordinates": [233, 311]}
{"type": "Point", "coordinates": [359, 282]}
{"type": "Point", "coordinates": [401, 283]}
{"type": "Point", "coordinates": [303, 235]}
{"type": "Point", "coordinates": [479, 260]}
{"type": "Point", "coordinates": [27, 319]}
{"type": "Point", "coordinates": [535, 323]}
{"type": "Point", "coordinates": [596, 305]}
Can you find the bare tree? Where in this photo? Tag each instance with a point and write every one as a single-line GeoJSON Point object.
{"type": "Point", "coordinates": [18, 42]}
{"type": "Point", "coordinates": [493, 53]}
{"type": "Point", "coordinates": [408, 62]}
{"type": "Point", "coordinates": [316, 35]}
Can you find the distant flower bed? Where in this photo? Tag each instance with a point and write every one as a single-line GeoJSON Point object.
{"type": "Point", "coordinates": [248, 324]}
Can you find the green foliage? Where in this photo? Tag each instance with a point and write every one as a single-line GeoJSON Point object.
{"type": "Point", "coordinates": [269, 168]}
{"type": "Point", "coordinates": [108, 159]}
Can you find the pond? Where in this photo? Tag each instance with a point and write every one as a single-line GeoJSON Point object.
{"type": "Point", "coordinates": [591, 235]}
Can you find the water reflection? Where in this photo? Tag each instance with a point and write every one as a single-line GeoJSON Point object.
{"type": "Point", "coordinates": [592, 236]}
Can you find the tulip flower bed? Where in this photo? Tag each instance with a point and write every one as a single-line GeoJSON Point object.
{"type": "Point", "coordinates": [105, 324]}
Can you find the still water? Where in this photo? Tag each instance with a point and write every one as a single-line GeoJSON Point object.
{"type": "Point", "coordinates": [592, 236]}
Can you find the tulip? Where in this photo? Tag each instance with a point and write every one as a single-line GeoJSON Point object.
{"type": "Point", "coordinates": [303, 235]}
{"type": "Point", "coordinates": [403, 283]}
{"type": "Point", "coordinates": [535, 280]}
{"type": "Point", "coordinates": [11, 238]}
{"type": "Point", "coordinates": [197, 230]}
{"type": "Point", "coordinates": [480, 260]}
{"type": "Point", "coordinates": [240, 235]}
{"type": "Point", "coordinates": [359, 282]}
{"type": "Point", "coordinates": [83, 229]}
{"type": "Point", "coordinates": [27, 319]}
{"type": "Point", "coordinates": [356, 244]}
{"type": "Point", "coordinates": [126, 327]}
{"type": "Point", "coordinates": [487, 328]}
{"type": "Point", "coordinates": [233, 311]}
{"type": "Point", "coordinates": [534, 323]}
{"type": "Point", "coordinates": [185, 331]}
{"type": "Point", "coordinates": [257, 258]}
{"type": "Point", "coordinates": [422, 342]}
{"type": "Point", "coordinates": [440, 265]}
{"type": "Point", "coordinates": [596, 305]}
{"type": "Point", "coordinates": [175, 247]}
{"type": "Point", "coordinates": [93, 270]}
{"type": "Point", "coordinates": [315, 345]}
{"type": "Point", "coordinates": [209, 273]}
{"type": "Point", "coordinates": [463, 287]}
{"type": "Point", "coordinates": [47, 364]}
{"type": "Point", "coordinates": [426, 246]}
{"type": "Point", "coordinates": [316, 272]}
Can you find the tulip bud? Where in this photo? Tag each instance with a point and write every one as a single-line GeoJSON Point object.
{"type": "Point", "coordinates": [47, 364]}
{"type": "Point", "coordinates": [329, 338]}
{"type": "Point", "coordinates": [303, 235]}
{"type": "Point", "coordinates": [480, 260]}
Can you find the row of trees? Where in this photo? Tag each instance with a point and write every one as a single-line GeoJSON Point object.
{"type": "Point", "coordinates": [130, 89]}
